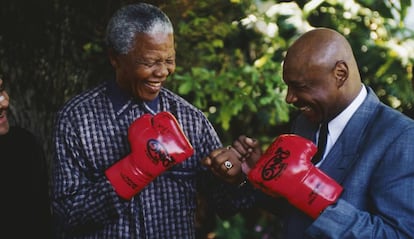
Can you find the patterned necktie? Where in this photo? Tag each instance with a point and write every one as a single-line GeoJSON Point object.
{"type": "Point", "coordinates": [323, 136]}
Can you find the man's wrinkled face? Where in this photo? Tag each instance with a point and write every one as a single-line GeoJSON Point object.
{"type": "Point", "coordinates": [145, 68]}
{"type": "Point", "coordinates": [4, 106]}
{"type": "Point", "coordinates": [312, 91]}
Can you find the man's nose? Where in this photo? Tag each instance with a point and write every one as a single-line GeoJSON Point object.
{"type": "Point", "coordinates": [290, 97]}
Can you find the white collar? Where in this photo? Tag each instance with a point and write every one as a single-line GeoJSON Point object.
{"type": "Point", "coordinates": [337, 125]}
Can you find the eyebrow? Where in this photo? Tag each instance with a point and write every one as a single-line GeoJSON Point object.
{"type": "Point", "coordinates": [156, 58]}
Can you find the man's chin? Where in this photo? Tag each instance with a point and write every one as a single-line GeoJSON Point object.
{"type": "Point", "coordinates": [147, 97]}
{"type": "Point", "coordinates": [4, 128]}
{"type": "Point", "coordinates": [311, 116]}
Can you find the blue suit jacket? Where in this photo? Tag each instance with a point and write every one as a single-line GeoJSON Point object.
{"type": "Point", "coordinates": [373, 159]}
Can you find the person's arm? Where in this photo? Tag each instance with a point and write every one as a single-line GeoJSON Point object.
{"type": "Point", "coordinates": [80, 198]}
{"type": "Point", "coordinates": [392, 203]}
{"type": "Point", "coordinates": [157, 143]}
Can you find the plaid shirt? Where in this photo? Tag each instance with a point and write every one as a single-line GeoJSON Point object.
{"type": "Point", "coordinates": [91, 135]}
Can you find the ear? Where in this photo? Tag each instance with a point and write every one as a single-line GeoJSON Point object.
{"type": "Point", "coordinates": [113, 58]}
{"type": "Point", "coordinates": [341, 72]}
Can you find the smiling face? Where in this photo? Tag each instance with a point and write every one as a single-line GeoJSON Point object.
{"type": "Point", "coordinates": [313, 91]}
{"type": "Point", "coordinates": [321, 74]}
{"type": "Point", "coordinates": [4, 106]}
{"type": "Point", "coordinates": [145, 68]}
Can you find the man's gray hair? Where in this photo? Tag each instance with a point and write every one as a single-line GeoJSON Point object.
{"type": "Point", "coordinates": [132, 19]}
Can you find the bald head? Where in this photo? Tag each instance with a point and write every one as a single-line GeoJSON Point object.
{"type": "Point", "coordinates": [322, 47]}
{"type": "Point", "coordinates": [321, 64]}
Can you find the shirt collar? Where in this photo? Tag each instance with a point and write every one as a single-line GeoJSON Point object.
{"type": "Point", "coordinates": [337, 125]}
{"type": "Point", "coordinates": [122, 101]}
{"type": "Point", "coordinates": [117, 96]}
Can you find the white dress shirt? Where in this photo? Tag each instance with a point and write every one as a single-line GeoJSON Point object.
{"type": "Point", "coordinates": [337, 125]}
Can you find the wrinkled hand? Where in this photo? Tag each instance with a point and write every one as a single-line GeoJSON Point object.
{"type": "Point", "coordinates": [248, 150]}
{"type": "Point", "coordinates": [242, 156]}
{"type": "Point", "coordinates": [217, 161]}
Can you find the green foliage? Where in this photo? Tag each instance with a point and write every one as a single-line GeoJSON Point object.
{"type": "Point", "coordinates": [229, 58]}
{"type": "Point", "coordinates": [232, 63]}
{"type": "Point", "coordinates": [235, 92]}
{"type": "Point", "coordinates": [257, 224]}
{"type": "Point", "coordinates": [229, 54]}
{"type": "Point", "coordinates": [228, 70]}
{"type": "Point", "coordinates": [376, 31]}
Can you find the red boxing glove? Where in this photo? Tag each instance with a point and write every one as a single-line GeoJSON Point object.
{"type": "Point", "coordinates": [157, 143]}
{"type": "Point", "coordinates": [285, 169]}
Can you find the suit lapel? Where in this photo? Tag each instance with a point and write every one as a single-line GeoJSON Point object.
{"type": "Point", "coordinates": [346, 150]}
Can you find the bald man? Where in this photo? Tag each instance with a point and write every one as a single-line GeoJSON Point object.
{"type": "Point", "coordinates": [369, 155]}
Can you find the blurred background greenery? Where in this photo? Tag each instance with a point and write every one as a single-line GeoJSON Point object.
{"type": "Point", "coordinates": [229, 56]}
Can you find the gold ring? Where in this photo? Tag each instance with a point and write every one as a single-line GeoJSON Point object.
{"type": "Point", "coordinates": [228, 164]}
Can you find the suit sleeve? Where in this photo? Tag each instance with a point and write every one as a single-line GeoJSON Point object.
{"type": "Point", "coordinates": [390, 205]}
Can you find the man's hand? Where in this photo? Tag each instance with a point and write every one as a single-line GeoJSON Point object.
{"type": "Point", "coordinates": [248, 151]}
{"type": "Point", "coordinates": [225, 164]}
{"type": "Point", "coordinates": [232, 163]}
